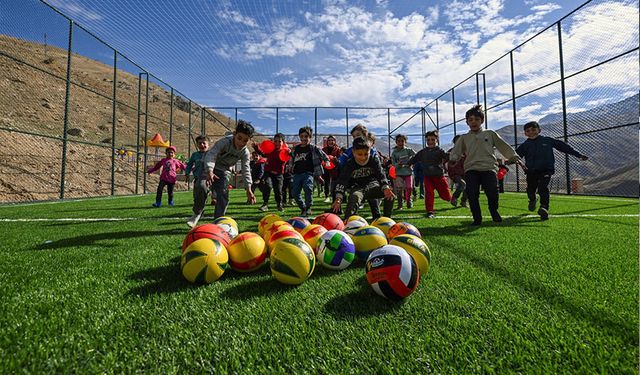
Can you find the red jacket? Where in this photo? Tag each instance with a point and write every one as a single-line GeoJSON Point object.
{"type": "Point", "coordinates": [274, 164]}
{"type": "Point", "coordinates": [333, 153]}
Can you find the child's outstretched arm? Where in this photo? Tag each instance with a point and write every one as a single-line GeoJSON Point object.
{"type": "Point", "coordinates": [156, 167]}
{"type": "Point", "coordinates": [563, 147]}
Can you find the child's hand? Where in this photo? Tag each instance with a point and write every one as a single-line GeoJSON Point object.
{"type": "Point", "coordinates": [388, 194]}
{"type": "Point", "coordinates": [251, 198]}
{"type": "Point", "coordinates": [584, 157]}
{"type": "Point", "coordinates": [211, 177]}
{"type": "Point", "coordinates": [335, 207]}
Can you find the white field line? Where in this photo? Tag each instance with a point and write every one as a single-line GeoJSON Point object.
{"type": "Point", "coordinates": [445, 217]}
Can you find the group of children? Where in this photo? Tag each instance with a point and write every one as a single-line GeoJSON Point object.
{"type": "Point", "coordinates": [359, 173]}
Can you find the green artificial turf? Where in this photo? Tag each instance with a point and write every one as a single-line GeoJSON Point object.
{"type": "Point", "coordinates": [90, 296]}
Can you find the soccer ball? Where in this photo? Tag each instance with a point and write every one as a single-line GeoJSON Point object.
{"type": "Point", "coordinates": [247, 252]}
{"type": "Point", "coordinates": [212, 231]}
{"type": "Point", "coordinates": [383, 223]}
{"type": "Point", "coordinates": [402, 228]}
{"type": "Point", "coordinates": [416, 247]}
{"type": "Point", "coordinates": [336, 250]}
{"type": "Point", "coordinates": [292, 261]}
{"type": "Point", "coordinates": [392, 272]}
{"type": "Point", "coordinates": [367, 239]}
{"type": "Point", "coordinates": [329, 221]}
{"type": "Point", "coordinates": [204, 261]}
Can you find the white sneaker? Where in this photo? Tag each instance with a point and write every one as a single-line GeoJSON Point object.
{"type": "Point", "coordinates": [264, 208]}
{"type": "Point", "coordinates": [327, 200]}
{"type": "Point", "coordinates": [194, 220]}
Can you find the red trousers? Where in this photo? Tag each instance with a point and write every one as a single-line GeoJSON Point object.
{"type": "Point", "coordinates": [438, 183]}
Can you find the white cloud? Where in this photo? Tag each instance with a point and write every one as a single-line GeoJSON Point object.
{"type": "Point", "coordinates": [235, 16]}
{"type": "Point", "coordinates": [75, 10]}
{"type": "Point", "coordinates": [284, 72]}
{"type": "Point", "coordinates": [286, 39]}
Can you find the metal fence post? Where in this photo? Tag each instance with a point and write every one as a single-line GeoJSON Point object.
{"type": "Point", "coordinates": [346, 114]}
{"type": "Point", "coordinates": [277, 120]}
{"type": "Point", "coordinates": [484, 99]}
{"type": "Point", "coordinates": [114, 121]}
{"type": "Point", "coordinates": [146, 147]}
{"type": "Point", "coordinates": [515, 118]}
{"type": "Point", "coordinates": [564, 108]}
{"type": "Point", "coordinates": [453, 101]}
{"type": "Point", "coordinates": [65, 124]}
{"type": "Point", "coordinates": [437, 118]}
{"type": "Point", "coordinates": [389, 130]}
{"type": "Point", "coordinates": [424, 126]}
{"type": "Point", "coordinates": [202, 115]}
{"type": "Point", "coordinates": [477, 90]}
{"type": "Point", "coordinates": [138, 131]}
{"type": "Point", "coordinates": [171, 119]}
{"type": "Point", "coordinates": [315, 125]}
{"type": "Point", "coordinates": [190, 137]}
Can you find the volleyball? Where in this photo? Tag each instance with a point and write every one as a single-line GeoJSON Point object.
{"type": "Point", "coordinates": [204, 261]}
{"type": "Point", "coordinates": [352, 226]}
{"type": "Point", "coordinates": [417, 248]}
{"type": "Point", "coordinates": [402, 228]}
{"type": "Point", "coordinates": [231, 230]}
{"type": "Point", "coordinates": [284, 233]}
{"type": "Point", "coordinates": [247, 252]}
{"type": "Point", "coordinates": [292, 261]}
{"type": "Point", "coordinates": [226, 220]}
{"type": "Point", "coordinates": [329, 221]}
{"type": "Point", "coordinates": [312, 234]}
{"type": "Point", "coordinates": [275, 227]}
{"type": "Point", "coordinates": [212, 231]}
{"type": "Point", "coordinates": [392, 272]}
{"type": "Point", "coordinates": [356, 218]}
{"type": "Point", "coordinates": [383, 223]}
{"type": "Point", "coordinates": [266, 220]}
{"type": "Point", "coordinates": [367, 239]}
{"type": "Point", "coordinates": [336, 250]}
{"type": "Point", "coordinates": [299, 223]}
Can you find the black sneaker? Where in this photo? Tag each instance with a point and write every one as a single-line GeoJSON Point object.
{"type": "Point", "coordinates": [430, 215]}
{"type": "Point", "coordinates": [496, 218]}
{"type": "Point", "coordinates": [532, 205]}
{"type": "Point", "coordinates": [303, 213]}
{"type": "Point", "coordinates": [544, 214]}
{"type": "Point", "coordinates": [476, 223]}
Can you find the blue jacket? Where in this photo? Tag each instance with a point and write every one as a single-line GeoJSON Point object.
{"type": "Point", "coordinates": [538, 153]}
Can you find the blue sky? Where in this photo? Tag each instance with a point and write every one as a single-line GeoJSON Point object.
{"type": "Point", "coordinates": [371, 53]}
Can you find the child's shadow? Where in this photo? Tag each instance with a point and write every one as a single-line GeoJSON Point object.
{"type": "Point", "coordinates": [160, 280]}
{"type": "Point", "coordinates": [265, 286]}
{"type": "Point", "coordinates": [362, 303]}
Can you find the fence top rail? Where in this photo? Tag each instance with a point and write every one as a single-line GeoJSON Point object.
{"type": "Point", "coordinates": [511, 51]}
{"type": "Point", "coordinates": [293, 107]}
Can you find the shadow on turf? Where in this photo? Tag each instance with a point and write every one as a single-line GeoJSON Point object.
{"type": "Point", "coordinates": [362, 303]}
{"type": "Point", "coordinates": [91, 239]}
{"type": "Point", "coordinates": [160, 280]}
{"type": "Point", "coordinates": [528, 285]}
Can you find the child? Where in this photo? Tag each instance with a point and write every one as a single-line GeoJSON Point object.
{"type": "Point", "coordinates": [537, 151]}
{"type": "Point", "coordinates": [286, 186]}
{"type": "Point", "coordinates": [331, 175]}
{"type": "Point", "coordinates": [364, 177]}
{"type": "Point", "coordinates": [480, 164]}
{"type": "Point", "coordinates": [418, 181]}
{"type": "Point", "coordinates": [257, 173]}
{"type": "Point", "coordinates": [432, 159]}
{"type": "Point", "coordinates": [456, 174]}
{"type": "Point", "coordinates": [404, 174]}
{"type": "Point", "coordinates": [361, 131]}
{"type": "Point", "coordinates": [306, 160]}
{"type": "Point", "coordinates": [224, 154]}
{"type": "Point", "coordinates": [168, 176]}
{"type": "Point", "coordinates": [273, 173]}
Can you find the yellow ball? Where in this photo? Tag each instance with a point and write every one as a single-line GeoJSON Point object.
{"type": "Point", "coordinates": [267, 220]}
{"type": "Point", "coordinates": [367, 239]}
{"type": "Point", "coordinates": [417, 248]}
{"type": "Point", "coordinates": [356, 218]}
{"type": "Point", "coordinates": [292, 261]}
{"type": "Point", "coordinates": [312, 234]}
{"type": "Point", "coordinates": [226, 220]}
{"type": "Point", "coordinates": [247, 252]}
{"type": "Point", "coordinates": [383, 223]}
{"type": "Point", "coordinates": [274, 227]}
{"type": "Point", "coordinates": [204, 261]}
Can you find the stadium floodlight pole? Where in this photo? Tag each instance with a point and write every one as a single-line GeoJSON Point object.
{"type": "Point", "coordinates": [202, 115]}
{"type": "Point", "coordinates": [114, 122]}
{"type": "Point", "coordinates": [564, 107]}
{"type": "Point", "coordinates": [278, 120]}
{"type": "Point", "coordinates": [515, 117]}
{"type": "Point", "coordinates": [65, 123]}
{"type": "Point", "coordinates": [424, 126]}
{"type": "Point", "coordinates": [315, 125]}
{"type": "Point", "coordinates": [453, 101]}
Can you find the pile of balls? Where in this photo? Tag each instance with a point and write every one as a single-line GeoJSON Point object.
{"type": "Point", "coordinates": [394, 253]}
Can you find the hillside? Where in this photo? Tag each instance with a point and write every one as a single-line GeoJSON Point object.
{"type": "Point", "coordinates": [32, 102]}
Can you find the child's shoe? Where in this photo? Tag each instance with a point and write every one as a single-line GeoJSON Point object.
{"type": "Point", "coordinates": [430, 215]}
{"type": "Point", "coordinates": [327, 200]}
{"type": "Point", "coordinates": [157, 204]}
{"type": "Point", "coordinates": [544, 214]}
{"type": "Point", "coordinates": [194, 220]}
{"type": "Point", "coordinates": [463, 203]}
{"type": "Point", "coordinates": [532, 205]}
{"type": "Point", "coordinates": [496, 218]}
{"type": "Point", "coordinates": [171, 203]}
{"type": "Point", "coordinates": [264, 207]}
{"type": "Point", "coordinates": [409, 203]}
{"type": "Point", "coordinates": [280, 208]}
{"type": "Point", "coordinates": [454, 201]}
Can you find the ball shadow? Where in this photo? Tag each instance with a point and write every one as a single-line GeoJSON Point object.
{"type": "Point", "coordinates": [362, 303]}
